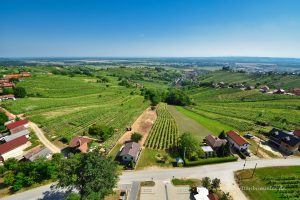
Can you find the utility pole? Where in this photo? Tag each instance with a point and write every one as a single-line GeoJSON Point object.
{"type": "Point", "coordinates": [244, 164]}
{"type": "Point", "coordinates": [254, 170]}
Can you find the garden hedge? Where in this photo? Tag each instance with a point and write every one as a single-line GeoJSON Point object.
{"type": "Point", "coordinates": [210, 161]}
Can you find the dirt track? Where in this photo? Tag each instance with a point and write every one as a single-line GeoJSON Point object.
{"type": "Point", "coordinates": [142, 125]}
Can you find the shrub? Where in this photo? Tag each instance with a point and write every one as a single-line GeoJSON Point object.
{"type": "Point", "coordinates": [136, 137]}
{"type": "Point", "coordinates": [210, 161]}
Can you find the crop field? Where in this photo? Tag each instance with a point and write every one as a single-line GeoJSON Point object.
{"type": "Point", "coordinates": [247, 110]}
{"type": "Point", "coordinates": [65, 106]}
{"type": "Point", "coordinates": [164, 133]}
{"type": "Point", "coordinates": [276, 183]}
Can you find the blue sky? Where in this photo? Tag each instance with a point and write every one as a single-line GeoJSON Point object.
{"type": "Point", "coordinates": [150, 28]}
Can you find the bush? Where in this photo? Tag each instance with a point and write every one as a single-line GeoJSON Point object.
{"type": "Point", "coordinates": [20, 92]}
{"type": "Point", "coordinates": [210, 161]}
{"type": "Point", "coordinates": [103, 132]}
{"type": "Point", "coordinates": [136, 137]}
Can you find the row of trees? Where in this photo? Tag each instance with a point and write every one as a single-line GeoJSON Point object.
{"type": "Point", "coordinates": [92, 174]}
{"type": "Point", "coordinates": [172, 96]}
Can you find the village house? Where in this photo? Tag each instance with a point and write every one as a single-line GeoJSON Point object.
{"type": "Point", "coordinates": [287, 142]}
{"type": "Point", "coordinates": [11, 126]}
{"type": "Point", "coordinates": [36, 153]}
{"type": "Point", "coordinates": [295, 91]}
{"type": "Point", "coordinates": [13, 148]}
{"type": "Point", "coordinates": [130, 152]}
{"type": "Point", "coordinates": [9, 76]}
{"type": "Point", "coordinates": [279, 91]}
{"type": "Point", "coordinates": [80, 143]}
{"type": "Point", "coordinates": [25, 74]}
{"type": "Point", "coordinates": [7, 85]}
{"type": "Point", "coordinates": [237, 141]}
{"type": "Point", "coordinates": [7, 97]}
{"type": "Point", "coordinates": [264, 89]}
{"type": "Point", "coordinates": [214, 142]}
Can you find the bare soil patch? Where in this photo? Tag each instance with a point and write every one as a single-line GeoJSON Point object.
{"type": "Point", "coordinates": [142, 125]}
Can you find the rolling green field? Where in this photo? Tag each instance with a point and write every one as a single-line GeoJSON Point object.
{"type": "Point", "coordinates": [246, 110]}
{"type": "Point", "coordinates": [271, 183]}
{"type": "Point", "coordinates": [66, 106]}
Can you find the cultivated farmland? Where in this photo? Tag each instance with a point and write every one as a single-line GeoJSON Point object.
{"type": "Point", "coordinates": [66, 106]}
{"type": "Point", "coordinates": [164, 133]}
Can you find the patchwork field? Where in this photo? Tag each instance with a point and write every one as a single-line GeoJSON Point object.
{"type": "Point", "coordinates": [246, 110]}
{"type": "Point", "coordinates": [66, 106]}
{"type": "Point", "coordinates": [271, 183]}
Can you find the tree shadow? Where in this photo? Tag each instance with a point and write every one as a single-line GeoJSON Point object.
{"type": "Point", "coordinates": [53, 195]}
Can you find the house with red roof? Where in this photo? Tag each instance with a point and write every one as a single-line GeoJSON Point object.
{"type": "Point", "coordinates": [237, 141]}
{"type": "Point", "coordinates": [80, 143]}
{"type": "Point", "coordinates": [295, 91]}
{"type": "Point", "coordinates": [9, 76]}
{"type": "Point", "coordinates": [13, 125]}
{"type": "Point", "coordinates": [13, 148]}
{"type": "Point", "coordinates": [25, 74]}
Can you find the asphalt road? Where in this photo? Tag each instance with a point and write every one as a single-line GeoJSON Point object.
{"type": "Point", "coordinates": [224, 171]}
{"type": "Point", "coordinates": [40, 134]}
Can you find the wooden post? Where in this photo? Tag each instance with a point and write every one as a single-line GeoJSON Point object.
{"type": "Point", "coordinates": [254, 170]}
{"type": "Point", "coordinates": [257, 148]}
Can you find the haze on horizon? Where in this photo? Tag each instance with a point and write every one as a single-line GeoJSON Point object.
{"type": "Point", "coordinates": [149, 28]}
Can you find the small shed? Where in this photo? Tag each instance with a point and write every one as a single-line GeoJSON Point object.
{"type": "Point", "coordinates": [209, 152]}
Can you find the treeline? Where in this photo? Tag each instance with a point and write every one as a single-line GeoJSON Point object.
{"type": "Point", "coordinates": [171, 96]}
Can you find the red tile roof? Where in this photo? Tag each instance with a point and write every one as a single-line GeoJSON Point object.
{"type": "Point", "coordinates": [16, 124]}
{"type": "Point", "coordinates": [81, 143]}
{"type": "Point", "coordinates": [12, 76]}
{"type": "Point", "coordinates": [297, 133]}
{"type": "Point", "coordinates": [18, 129]}
{"type": "Point", "coordinates": [213, 196]}
{"type": "Point", "coordinates": [237, 138]}
{"type": "Point", "coordinates": [11, 145]}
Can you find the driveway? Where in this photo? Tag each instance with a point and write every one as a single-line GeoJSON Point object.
{"type": "Point", "coordinates": [40, 134]}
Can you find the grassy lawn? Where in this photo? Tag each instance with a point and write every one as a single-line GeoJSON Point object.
{"type": "Point", "coordinates": [148, 159]}
{"type": "Point", "coordinates": [212, 125]}
{"type": "Point", "coordinates": [190, 182]}
{"type": "Point", "coordinates": [187, 124]}
{"type": "Point", "coordinates": [259, 187]}
{"type": "Point", "coordinates": [113, 153]}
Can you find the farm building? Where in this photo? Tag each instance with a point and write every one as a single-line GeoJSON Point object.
{"type": "Point", "coordinates": [237, 141]}
{"type": "Point", "coordinates": [13, 148]}
{"type": "Point", "coordinates": [7, 97]}
{"type": "Point", "coordinates": [130, 152]}
{"type": "Point", "coordinates": [7, 85]}
{"type": "Point", "coordinates": [80, 143]}
{"type": "Point", "coordinates": [25, 74]}
{"type": "Point", "coordinates": [264, 89]}
{"type": "Point", "coordinates": [22, 131]}
{"type": "Point", "coordinates": [279, 91]}
{"type": "Point", "coordinates": [295, 91]}
{"type": "Point", "coordinates": [9, 76]}
{"type": "Point", "coordinates": [287, 142]}
{"type": "Point", "coordinates": [214, 142]}
{"type": "Point", "coordinates": [37, 152]}
{"type": "Point", "coordinates": [13, 125]}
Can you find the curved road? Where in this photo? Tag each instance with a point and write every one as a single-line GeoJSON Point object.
{"type": "Point", "coordinates": [40, 134]}
{"type": "Point", "coordinates": [224, 171]}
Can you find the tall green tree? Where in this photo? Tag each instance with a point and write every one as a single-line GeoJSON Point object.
{"type": "Point", "coordinates": [20, 92]}
{"type": "Point", "coordinates": [92, 174]}
{"type": "Point", "coordinates": [3, 118]}
{"type": "Point", "coordinates": [188, 145]}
